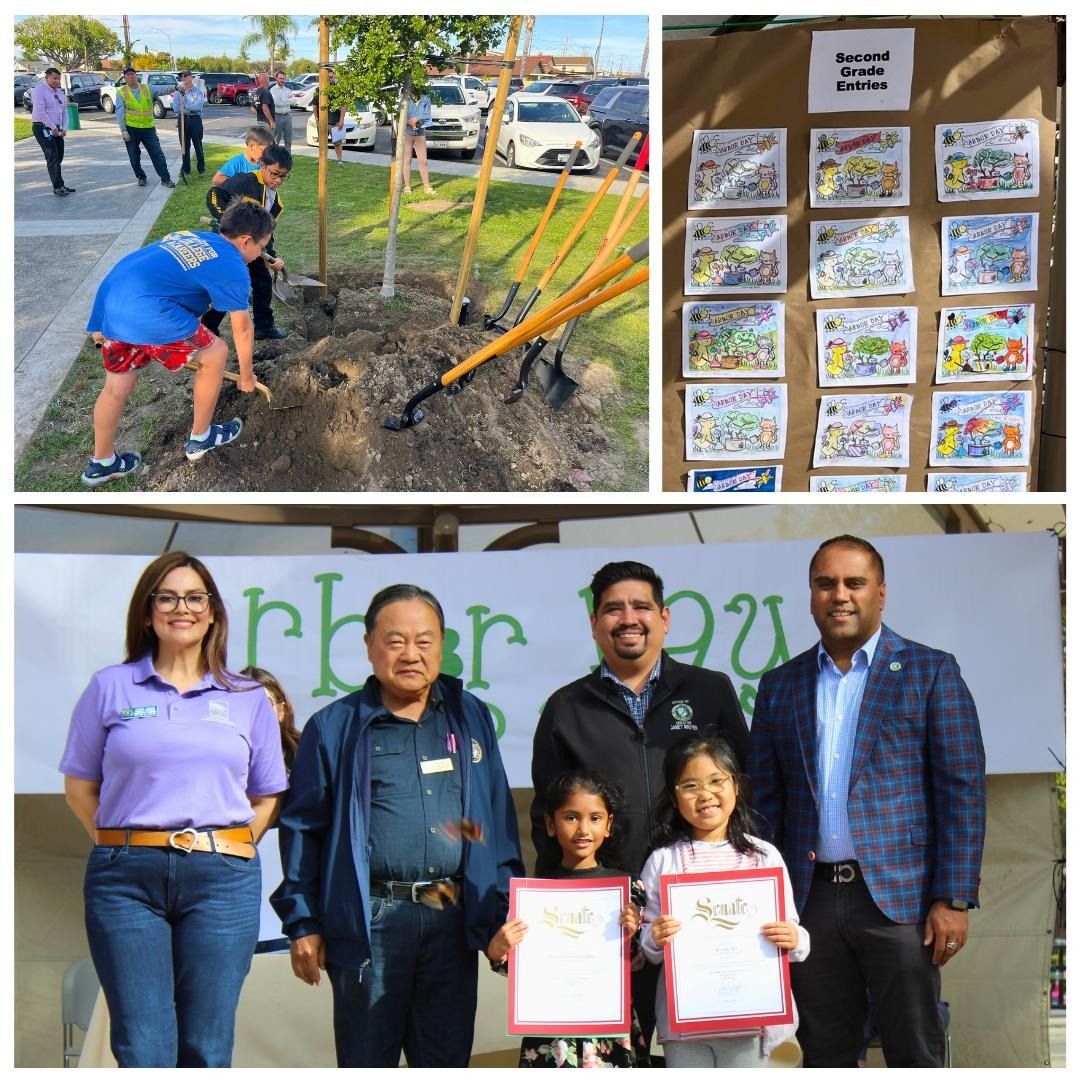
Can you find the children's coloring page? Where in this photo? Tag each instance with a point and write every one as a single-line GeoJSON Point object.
{"type": "Point", "coordinates": [860, 167]}
{"type": "Point", "coordinates": [985, 344]}
{"type": "Point", "coordinates": [860, 257]}
{"type": "Point", "coordinates": [977, 483]}
{"type": "Point", "coordinates": [752, 478]}
{"type": "Point", "coordinates": [972, 428]}
{"type": "Point", "coordinates": [988, 159]}
{"type": "Point", "coordinates": [735, 423]}
{"type": "Point", "coordinates": [876, 484]}
{"type": "Point", "coordinates": [733, 340]}
{"type": "Point", "coordinates": [866, 346]}
{"type": "Point", "coordinates": [735, 255]}
{"type": "Point", "coordinates": [738, 167]}
{"type": "Point", "coordinates": [863, 431]}
{"type": "Point", "coordinates": [989, 254]}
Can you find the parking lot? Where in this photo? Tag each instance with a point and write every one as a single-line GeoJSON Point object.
{"type": "Point", "coordinates": [225, 123]}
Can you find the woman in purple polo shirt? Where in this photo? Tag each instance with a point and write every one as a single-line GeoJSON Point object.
{"type": "Point", "coordinates": [173, 765]}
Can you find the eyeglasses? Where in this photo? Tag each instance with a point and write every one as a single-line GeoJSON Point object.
{"type": "Point", "coordinates": [715, 785]}
{"type": "Point", "coordinates": [282, 176]}
{"type": "Point", "coordinates": [195, 602]}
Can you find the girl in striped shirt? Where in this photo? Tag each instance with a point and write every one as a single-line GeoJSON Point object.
{"type": "Point", "coordinates": [704, 825]}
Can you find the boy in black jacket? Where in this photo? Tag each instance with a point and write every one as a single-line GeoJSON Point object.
{"type": "Point", "coordinates": [259, 187]}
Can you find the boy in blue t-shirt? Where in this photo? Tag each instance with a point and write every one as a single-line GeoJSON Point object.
{"type": "Point", "coordinates": [148, 308]}
{"type": "Point", "coordinates": [256, 139]}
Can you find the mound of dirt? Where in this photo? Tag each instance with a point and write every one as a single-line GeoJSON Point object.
{"type": "Point", "coordinates": [350, 361]}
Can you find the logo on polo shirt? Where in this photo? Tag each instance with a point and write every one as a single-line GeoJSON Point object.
{"type": "Point", "coordinates": [682, 717]}
{"type": "Point", "coordinates": [219, 713]}
{"type": "Point", "coordinates": [477, 752]}
{"type": "Point", "coordinates": [140, 713]}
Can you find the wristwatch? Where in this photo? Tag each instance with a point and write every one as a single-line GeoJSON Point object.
{"type": "Point", "coordinates": [958, 905]}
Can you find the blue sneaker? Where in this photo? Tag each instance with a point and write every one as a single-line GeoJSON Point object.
{"type": "Point", "coordinates": [123, 465]}
{"type": "Point", "coordinates": [220, 435]}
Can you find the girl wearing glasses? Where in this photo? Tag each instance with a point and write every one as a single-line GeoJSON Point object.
{"type": "Point", "coordinates": [704, 825]}
{"type": "Point", "coordinates": [173, 765]}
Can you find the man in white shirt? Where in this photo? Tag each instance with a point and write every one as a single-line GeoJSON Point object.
{"type": "Point", "coordinates": [282, 111]}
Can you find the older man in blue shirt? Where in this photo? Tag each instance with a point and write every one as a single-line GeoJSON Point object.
{"type": "Point", "coordinates": [188, 102]}
{"type": "Point", "coordinates": [49, 125]}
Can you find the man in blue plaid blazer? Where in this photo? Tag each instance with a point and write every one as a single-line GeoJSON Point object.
{"type": "Point", "coordinates": [867, 766]}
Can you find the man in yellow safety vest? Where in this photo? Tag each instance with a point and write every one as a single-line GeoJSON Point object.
{"type": "Point", "coordinates": [135, 115]}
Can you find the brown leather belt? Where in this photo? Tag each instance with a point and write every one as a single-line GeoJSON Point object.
{"type": "Point", "coordinates": [238, 842]}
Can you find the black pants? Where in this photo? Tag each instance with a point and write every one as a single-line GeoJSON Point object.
{"type": "Point", "coordinates": [855, 950]}
{"type": "Point", "coordinates": [146, 137]}
{"type": "Point", "coordinates": [262, 289]}
{"type": "Point", "coordinates": [53, 149]}
{"type": "Point", "coordinates": [192, 134]}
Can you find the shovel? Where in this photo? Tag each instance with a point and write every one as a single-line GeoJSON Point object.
{"type": "Point", "coordinates": [261, 387]}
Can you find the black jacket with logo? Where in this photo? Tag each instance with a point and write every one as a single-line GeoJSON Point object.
{"type": "Point", "coordinates": [586, 724]}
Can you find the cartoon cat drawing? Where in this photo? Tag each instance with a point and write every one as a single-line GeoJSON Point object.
{"type": "Point", "coordinates": [891, 268]}
{"type": "Point", "coordinates": [890, 439]}
{"type": "Point", "coordinates": [1010, 444]}
{"type": "Point", "coordinates": [1014, 355]}
{"type": "Point", "coordinates": [1018, 268]}
{"type": "Point", "coordinates": [898, 357]}
{"type": "Point", "coordinates": [1021, 174]}
{"type": "Point", "coordinates": [890, 178]}
{"type": "Point", "coordinates": [768, 437]}
{"type": "Point", "coordinates": [768, 268]}
{"type": "Point", "coordinates": [766, 183]}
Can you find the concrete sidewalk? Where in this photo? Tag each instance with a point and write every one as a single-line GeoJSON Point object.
{"type": "Point", "coordinates": [65, 247]}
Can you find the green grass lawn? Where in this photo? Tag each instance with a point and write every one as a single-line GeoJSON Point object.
{"type": "Point", "coordinates": [616, 334]}
{"type": "Point", "coordinates": [23, 129]}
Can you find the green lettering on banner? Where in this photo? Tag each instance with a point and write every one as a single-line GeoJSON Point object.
{"type": "Point", "coordinates": [480, 627]}
{"type": "Point", "coordinates": [745, 602]}
{"type": "Point", "coordinates": [699, 648]}
{"type": "Point", "coordinates": [329, 683]}
{"type": "Point", "coordinates": [452, 664]}
{"type": "Point", "coordinates": [255, 613]}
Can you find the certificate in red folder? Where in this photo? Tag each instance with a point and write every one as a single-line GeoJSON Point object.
{"type": "Point", "coordinates": [721, 973]}
{"type": "Point", "coordinates": [570, 974]}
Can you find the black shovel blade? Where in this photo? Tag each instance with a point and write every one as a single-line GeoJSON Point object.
{"type": "Point", "coordinates": [559, 388]}
{"type": "Point", "coordinates": [406, 420]}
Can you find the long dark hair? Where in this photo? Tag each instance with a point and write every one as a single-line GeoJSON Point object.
{"type": "Point", "coordinates": [290, 734]}
{"type": "Point", "coordinates": [672, 826]}
{"type": "Point", "coordinates": [141, 639]}
{"type": "Point", "coordinates": [562, 785]}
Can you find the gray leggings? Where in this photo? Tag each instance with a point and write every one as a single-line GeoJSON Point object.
{"type": "Point", "coordinates": [738, 1052]}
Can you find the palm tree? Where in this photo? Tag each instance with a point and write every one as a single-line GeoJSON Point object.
{"type": "Point", "coordinates": [273, 31]}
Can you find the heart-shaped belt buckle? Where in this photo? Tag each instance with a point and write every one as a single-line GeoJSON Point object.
{"type": "Point", "coordinates": [193, 833]}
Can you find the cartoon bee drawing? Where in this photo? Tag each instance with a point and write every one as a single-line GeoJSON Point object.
{"type": "Point", "coordinates": [953, 321]}
{"type": "Point", "coordinates": [948, 406]}
{"type": "Point", "coordinates": [701, 397]}
{"type": "Point", "coordinates": [835, 407]}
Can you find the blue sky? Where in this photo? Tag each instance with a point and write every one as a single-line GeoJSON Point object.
{"type": "Point", "coordinates": [624, 35]}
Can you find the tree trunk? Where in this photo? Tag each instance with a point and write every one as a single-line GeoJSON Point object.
{"type": "Point", "coordinates": [390, 265]}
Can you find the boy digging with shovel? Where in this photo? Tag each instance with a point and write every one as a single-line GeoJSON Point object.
{"type": "Point", "coordinates": [154, 296]}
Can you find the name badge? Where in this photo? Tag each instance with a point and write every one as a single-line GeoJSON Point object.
{"type": "Point", "coordinates": [443, 764]}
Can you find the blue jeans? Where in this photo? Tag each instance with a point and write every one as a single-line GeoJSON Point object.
{"type": "Point", "coordinates": [172, 936]}
{"type": "Point", "coordinates": [417, 994]}
{"type": "Point", "coordinates": [146, 137]}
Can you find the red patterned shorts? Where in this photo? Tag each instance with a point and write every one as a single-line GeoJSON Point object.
{"type": "Point", "coordinates": [121, 356]}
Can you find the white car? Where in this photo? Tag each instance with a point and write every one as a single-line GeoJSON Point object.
{"type": "Point", "coordinates": [538, 132]}
{"type": "Point", "coordinates": [360, 128]}
{"type": "Point", "coordinates": [476, 93]}
{"type": "Point", "coordinates": [455, 124]}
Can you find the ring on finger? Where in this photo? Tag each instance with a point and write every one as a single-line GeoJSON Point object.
{"type": "Point", "coordinates": [952, 946]}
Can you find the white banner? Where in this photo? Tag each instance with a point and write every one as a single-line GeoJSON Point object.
{"type": "Point", "coordinates": [518, 628]}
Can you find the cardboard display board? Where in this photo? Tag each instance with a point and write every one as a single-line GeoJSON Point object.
{"type": "Point", "coordinates": [965, 70]}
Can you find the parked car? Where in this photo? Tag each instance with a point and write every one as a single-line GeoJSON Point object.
{"type": "Point", "coordinates": [540, 132]}
{"type": "Point", "coordinates": [455, 124]}
{"type": "Point", "coordinates": [239, 92]}
{"type": "Point", "coordinates": [83, 88]}
{"type": "Point", "coordinates": [162, 83]}
{"type": "Point", "coordinates": [616, 113]}
{"type": "Point", "coordinates": [22, 84]}
{"type": "Point", "coordinates": [476, 93]}
{"type": "Point", "coordinates": [361, 125]}
{"type": "Point", "coordinates": [302, 96]}
{"type": "Point", "coordinates": [211, 80]}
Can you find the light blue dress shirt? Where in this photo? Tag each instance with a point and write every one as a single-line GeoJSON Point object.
{"type": "Point", "coordinates": [839, 698]}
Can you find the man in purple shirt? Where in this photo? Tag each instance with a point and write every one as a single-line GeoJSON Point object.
{"type": "Point", "coordinates": [49, 124]}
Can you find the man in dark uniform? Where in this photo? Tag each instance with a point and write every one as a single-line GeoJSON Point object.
{"type": "Point", "coordinates": [620, 719]}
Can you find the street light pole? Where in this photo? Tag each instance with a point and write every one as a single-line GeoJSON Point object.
{"type": "Point", "coordinates": [168, 37]}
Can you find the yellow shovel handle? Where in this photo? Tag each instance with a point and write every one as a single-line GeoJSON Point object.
{"type": "Point", "coordinates": [548, 211]}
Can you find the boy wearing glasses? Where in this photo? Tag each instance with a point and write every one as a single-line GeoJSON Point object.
{"type": "Point", "coordinates": [260, 188]}
{"type": "Point", "coordinates": [154, 297]}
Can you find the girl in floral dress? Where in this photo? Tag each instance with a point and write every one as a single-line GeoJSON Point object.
{"type": "Point", "coordinates": [579, 813]}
